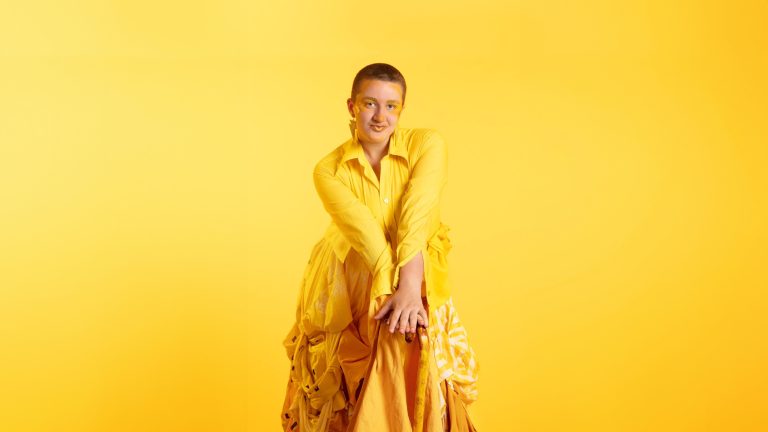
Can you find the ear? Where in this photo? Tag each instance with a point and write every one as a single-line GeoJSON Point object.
{"type": "Point", "coordinates": [351, 107]}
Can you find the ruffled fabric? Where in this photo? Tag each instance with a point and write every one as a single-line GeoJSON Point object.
{"type": "Point", "coordinates": [456, 361]}
{"type": "Point", "coordinates": [348, 373]}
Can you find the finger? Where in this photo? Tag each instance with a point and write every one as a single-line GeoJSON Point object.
{"type": "Point", "coordinates": [423, 319]}
{"type": "Point", "coordinates": [404, 321]}
{"type": "Point", "coordinates": [412, 322]}
{"type": "Point", "coordinates": [393, 320]}
{"type": "Point", "coordinates": [384, 309]}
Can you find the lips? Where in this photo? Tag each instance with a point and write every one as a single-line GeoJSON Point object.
{"type": "Point", "coordinates": [378, 128]}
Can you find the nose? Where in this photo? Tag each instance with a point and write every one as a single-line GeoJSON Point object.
{"type": "Point", "coordinates": [379, 115]}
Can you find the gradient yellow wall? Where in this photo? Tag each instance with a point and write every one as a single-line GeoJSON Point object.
{"type": "Point", "coordinates": [607, 200]}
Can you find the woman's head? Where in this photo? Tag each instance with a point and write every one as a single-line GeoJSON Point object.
{"type": "Point", "coordinates": [377, 99]}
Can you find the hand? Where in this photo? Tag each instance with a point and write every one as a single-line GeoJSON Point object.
{"type": "Point", "coordinates": [405, 309]}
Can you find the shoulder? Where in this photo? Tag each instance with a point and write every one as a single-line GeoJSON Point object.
{"type": "Point", "coordinates": [330, 161]}
{"type": "Point", "coordinates": [416, 136]}
{"type": "Point", "coordinates": [421, 140]}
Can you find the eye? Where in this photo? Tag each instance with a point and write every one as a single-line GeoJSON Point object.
{"type": "Point", "coordinates": [390, 106]}
{"type": "Point", "coordinates": [369, 104]}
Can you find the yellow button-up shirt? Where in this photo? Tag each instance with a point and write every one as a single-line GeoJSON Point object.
{"type": "Point", "coordinates": [388, 220]}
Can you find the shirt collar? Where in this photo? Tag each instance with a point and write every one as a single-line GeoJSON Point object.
{"type": "Point", "coordinates": [354, 150]}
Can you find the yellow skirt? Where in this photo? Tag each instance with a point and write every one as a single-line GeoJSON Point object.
{"type": "Point", "coordinates": [349, 373]}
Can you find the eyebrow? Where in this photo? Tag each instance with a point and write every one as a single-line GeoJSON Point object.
{"type": "Point", "coordinates": [374, 99]}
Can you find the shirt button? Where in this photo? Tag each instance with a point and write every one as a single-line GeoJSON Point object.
{"type": "Point", "coordinates": [386, 200]}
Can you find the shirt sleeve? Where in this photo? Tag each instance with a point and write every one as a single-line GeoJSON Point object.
{"type": "Point", "coordinates": [358, 225]}
{"type": "Point", "coordinates": [420, 199]}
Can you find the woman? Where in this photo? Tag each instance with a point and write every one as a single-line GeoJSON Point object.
{"type": "Point", "coordinates": [377, 280]}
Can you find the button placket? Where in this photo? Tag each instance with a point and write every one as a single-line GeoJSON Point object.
{"type": "Point", "coordinates": [385, 192]}
{"type": "Point", "coordinates": [383, 181]}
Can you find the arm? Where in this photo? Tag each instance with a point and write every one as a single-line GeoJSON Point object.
{"type": "Point", "coordinates": [357, 223]}
{"type": "Point", "coordinates": [412, 273]}
{"type": "Point", "coordinates": [420, 200]}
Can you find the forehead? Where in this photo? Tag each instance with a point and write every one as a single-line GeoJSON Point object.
{"type": "Point", "coordinates": [380, 90]}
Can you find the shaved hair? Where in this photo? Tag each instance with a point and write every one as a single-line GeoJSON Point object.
{"type": "Point", "coordinates": [378, 71]}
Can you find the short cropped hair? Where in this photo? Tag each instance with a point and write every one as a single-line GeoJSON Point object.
{"type": "Point", "coordinates": [379, 71]}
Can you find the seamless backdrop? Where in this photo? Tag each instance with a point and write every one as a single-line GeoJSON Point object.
{"type": "Point", "coordinates": [606, 198]}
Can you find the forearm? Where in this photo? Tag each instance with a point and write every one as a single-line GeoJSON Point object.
{"type": "Point", "coordinates": [420, 207]}
{"type": "Point", "coordinates": [412, 273]}
{"type": "Point", "coordinates": [354, 219]}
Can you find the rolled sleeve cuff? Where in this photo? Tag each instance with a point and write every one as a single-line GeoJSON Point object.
{"type": "Point", "coordinates": [383, 273]}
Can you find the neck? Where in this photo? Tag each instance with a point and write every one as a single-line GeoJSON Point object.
{"type": "Point", "coordinates": [375, 150]}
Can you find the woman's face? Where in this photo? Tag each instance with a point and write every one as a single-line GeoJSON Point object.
{"type": "Point", "coordinates": [376, 110]}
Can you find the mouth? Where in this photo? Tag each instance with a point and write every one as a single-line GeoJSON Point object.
{"type": "Point", "coordinates": [378, 128]}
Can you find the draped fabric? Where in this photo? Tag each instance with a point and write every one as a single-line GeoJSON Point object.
{"type": "Point", "coordinates": [347, 372]}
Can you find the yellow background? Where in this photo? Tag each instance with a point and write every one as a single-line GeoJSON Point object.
{"type": "Point", "coordinates": [607, 200]}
